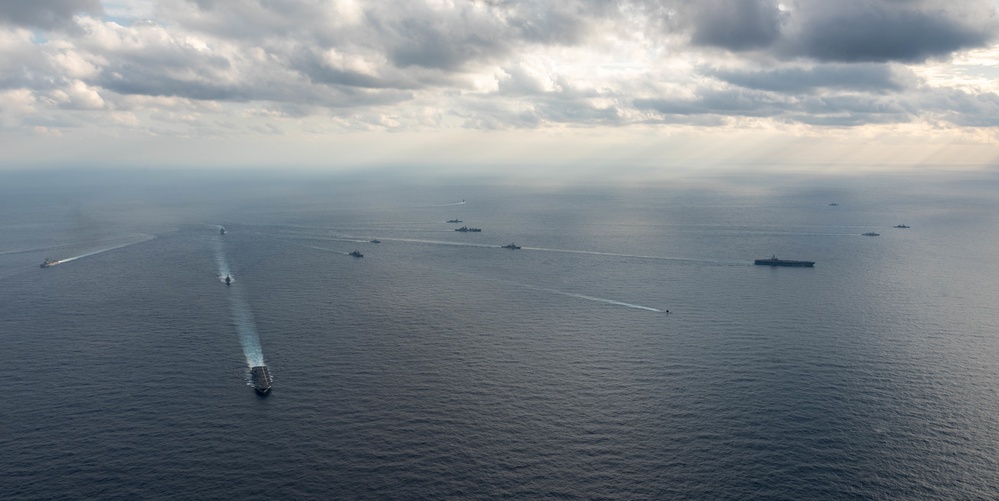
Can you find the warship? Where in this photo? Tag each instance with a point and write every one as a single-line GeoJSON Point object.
{"type": "Point", "coordinates": [261, 379]}
{"type": "Point", "coordinates": [773, 261]}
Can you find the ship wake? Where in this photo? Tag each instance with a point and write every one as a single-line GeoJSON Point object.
{"type": "Point", "coordinates": [571, 294]}
{"type": "Point", "coordinates": [594, 298]}
{"type": "Point", "coordinates": [242, 315]}
{"type": "Point", "coordinates": [145, 238]}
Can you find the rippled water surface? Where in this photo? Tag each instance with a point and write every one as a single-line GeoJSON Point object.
{"type": "Point", "coordinates": [441, 366]}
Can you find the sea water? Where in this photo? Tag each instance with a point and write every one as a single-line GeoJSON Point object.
{"type": "Point", "coordinates": [441, 366]}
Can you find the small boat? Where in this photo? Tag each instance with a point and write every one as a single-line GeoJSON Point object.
{"type": "Point", "coordinates": [221, 230]}
{"type": "Point", "coordinates": [376, 241]}
{"type": "Point", "coordinates": [356, 254]}
{"type": "Point", "coordinates": [465, 229]}
{"type": "Point", "coordinates": [228, 279]}
{"type": "Point", "coordinates": [454, 220]}
{"type": "Point", "coordinates": [901, 226]}
{"type": "Point", "coordinates": [48, 262]}
{"type": "Point", "coordinates": [871, 234]}
{"type": "Point", "coordinates": [511, 246]}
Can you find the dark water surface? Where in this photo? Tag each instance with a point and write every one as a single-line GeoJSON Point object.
{"type": "Point", "coordinates": [440, 366]}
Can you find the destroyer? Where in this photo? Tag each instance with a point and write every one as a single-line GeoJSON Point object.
{"type": "Point", "coordinates": [466, 229]}
{"type": "Point", "coordinates": [260, 377]}
{"type": "Point", "coordinates": [773, 261]}
{"type": "Point", "coordinates": [901, 226]}
{"type": "Point", "coordinates": [454, 220]}
{"type": "Point", "coordinates": [871, 234]}
{"type": "Point", "coordinates": [511, 246]}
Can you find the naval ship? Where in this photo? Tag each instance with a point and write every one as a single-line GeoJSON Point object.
{"type": "Point", "coordinates": [773, 261]}
{"type": "Point", "coordinates": [466, 228]}
{"type": "Point", "coordinates": [261, 379]}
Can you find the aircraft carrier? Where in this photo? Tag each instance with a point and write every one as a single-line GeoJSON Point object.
{"type": "Point", "coordinates": [261, 379]}
{"type": "Point", "coordinates": [773, 261]}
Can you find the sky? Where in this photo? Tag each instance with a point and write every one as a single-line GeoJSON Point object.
{"type": "Point", "coordinates": [634, 87]}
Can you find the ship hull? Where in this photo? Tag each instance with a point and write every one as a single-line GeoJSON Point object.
{"type": "Point", "coordinates": [782, 262]}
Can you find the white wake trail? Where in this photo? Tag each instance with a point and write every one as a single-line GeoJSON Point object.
{"type": "Point", "coordinates": [242, 315]}
{"type": "Point", "coordinates": [106, 249]}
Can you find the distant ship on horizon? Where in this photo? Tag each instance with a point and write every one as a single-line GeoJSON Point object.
{"type": "Point", "coordinates": [454, 220]}
{"type": "Point", "coordinates": [871, 234]}
{"type": "Point", "coordinates": [511, 246]}
{"type": "Point", "coordinates": [465, 229]}
{"type": "Point", "coordinates": [773, 261]}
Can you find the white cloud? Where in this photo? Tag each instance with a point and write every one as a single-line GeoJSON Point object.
{"type": "Point", "coordinates": [239, 68]}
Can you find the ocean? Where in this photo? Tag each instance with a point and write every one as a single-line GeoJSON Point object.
{"type": "Point", "coordinates": [629, 350]}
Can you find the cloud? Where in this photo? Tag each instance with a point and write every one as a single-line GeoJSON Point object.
{"type": "Point", "coordinates": [837, 31]}
{"type": "Point", "coordinates": [736, 25]}
{"type": "Point", "coordinates": [493, 64]}
{"type": "Point", "coordinates": [726, 102]}
{"type": "Point", "coordinates": [889, 30]}
{"type": "Point", "coordinates": [877, 78]}
{"type": "Point", "coordinates": [46, 14]}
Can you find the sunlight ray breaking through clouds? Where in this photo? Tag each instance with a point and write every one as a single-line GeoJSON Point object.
{"type": "Point", "coordinates": [446, 83]}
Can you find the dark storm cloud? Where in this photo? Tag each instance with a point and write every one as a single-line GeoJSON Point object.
{"type": "Point", "coordinates": [827, 30]}
{"type": "Point", "coordinates": [877, 78]}
{"type": "Point", "coordinates": [736, 25]}
{"type": "Point", "coordinates": [886, 30]}
{"type": "Point", "coordinates": [46, 14]}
